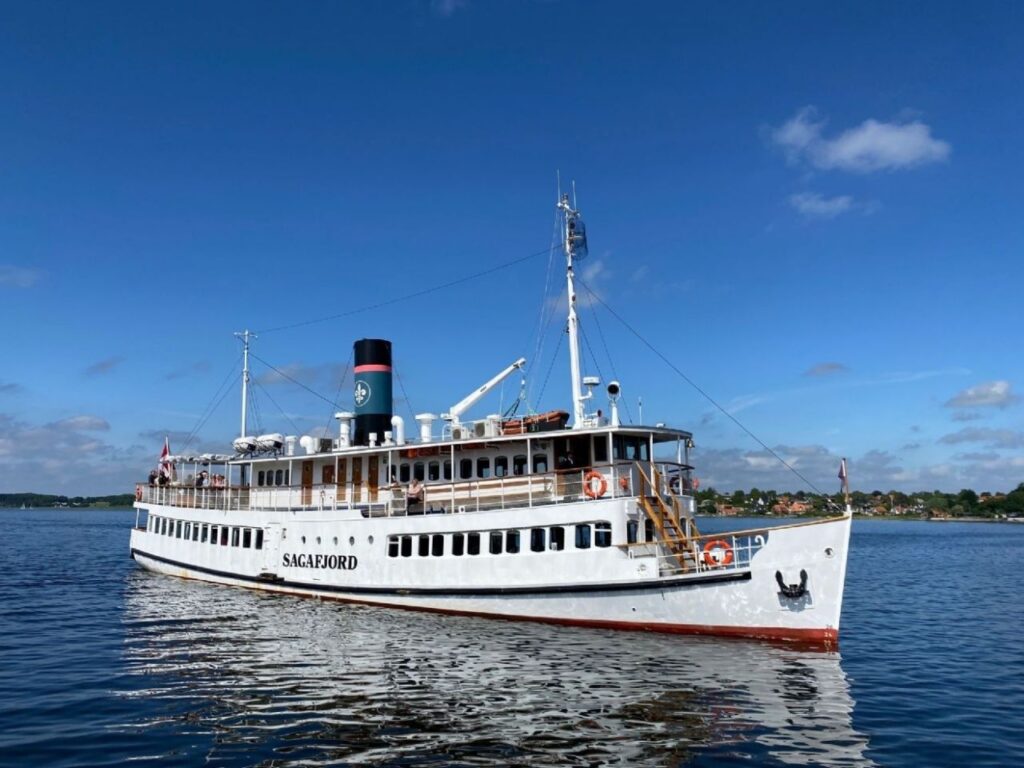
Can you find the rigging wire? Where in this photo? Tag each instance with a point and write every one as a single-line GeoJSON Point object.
{"type": "Point", "coordinates": [608, 354]}
{"type": "Point", "coordinates": [337, 395]}
{"type": "Point", "coordinates": [408, 403]}
{"type": "Point", "coordinates": [210, 407]}
{"type": "Point", "coordinates": [271, 399]}
{"type": "Point", "coordinates": [554, 358]}
{"type": "Point", "coordinates": [297, 383]}
{"type": "Point", "coordinates": [693, 384]}
{"type": "Point", "coordinates": [408, 296]}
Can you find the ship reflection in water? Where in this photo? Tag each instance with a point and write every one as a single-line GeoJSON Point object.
{"type": "Point", "coordinates": [238, 677]}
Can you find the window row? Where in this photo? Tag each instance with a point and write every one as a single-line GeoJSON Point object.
{"type": "Point", "coordinates": [273, 477]}
{"type": "Point", "coordinates": [204, 533]}
{"type": "Point", "coordinates": [500, 542]}
{"type": "Point", "coordinates": [482, 468]}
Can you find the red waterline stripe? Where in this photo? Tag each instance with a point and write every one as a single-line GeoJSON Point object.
{"type": "Point", "coordinates": [373, 368]}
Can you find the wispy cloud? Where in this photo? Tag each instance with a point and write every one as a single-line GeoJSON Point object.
{"type": "Point", "coordinates": [871, 146]}
{"type": "Point", "coordinates": [86, 423]}
{"type": "Point", "coordinates": [997, 394]}
{"type": "Point", "coordinates": [814, 205]}
{"type": "Point", "coordinates": [18, 277]}
{"type": "Point", "coordinates": [992, 438]}
{"type": "Point", "coordinates": [10, 388]}
{"type": "Point", "coordinates": [447, 7]}
{"type": "Point", "coordinates": [103, 366]}
{"type": "Point", "coordinates": [199, 367]}
{"type": "Point", "coordinates": [966, 416]}
{"type": "Point", "coordinates": [826, 369]}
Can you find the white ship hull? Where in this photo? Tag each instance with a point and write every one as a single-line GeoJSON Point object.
{"type": "Point", "coordinates": [615, 586]}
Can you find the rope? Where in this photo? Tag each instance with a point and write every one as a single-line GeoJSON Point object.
{"type": "Point", "coordinates": [554, 357]}
{"type": "Point", "coordinates": [287, 417]}
{"type": "Point", "coordinates": [297, 383]}
{"type": "Point", "coordinates": [608, 354]}
{"type": "Point", "coordinates": [408, 404]}
{"type": "Point", "coordinates": [408, 296]}
{"type": "Point", "coordinates": [337, 395]}
{"type": "Point", "coordinates": [693, 384]}
{"type": "Point", "coordinates": [211, 407]}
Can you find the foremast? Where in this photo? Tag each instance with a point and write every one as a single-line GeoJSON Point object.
{"type": "Point", "coordinates": [575, 246]}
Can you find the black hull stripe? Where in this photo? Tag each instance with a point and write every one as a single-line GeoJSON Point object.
{"type": "Point", "coordinates": [633, 586]}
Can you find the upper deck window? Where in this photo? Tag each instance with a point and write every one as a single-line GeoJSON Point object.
{"type": "Point", "coordinates": [417, 471]}
{"type": "Point", "coordinates": [582, 537]}
{"type": "Point", "coordinates": [500, 466]}
{"type": "Point", "coordinates": [483, 467]}
{"type": "Point", "coordinates": [519, 465]}
{"type": "Point", "coordinates": [279, 477]}
{"type": "Point", "coordinates": [496, 540]}
{"type": "Point", "coordinates": [260, 477]}
{"type": "Point", "coordinates": [404, 473]}
{"type": "Point", "coordinates": [538, 538]}
{"type": "Point", "coordinates": [465, 469]}
{"type": "Point", "coordinates": [447, 469]}
{"type": "Point", "coordinates": [458, 544]}
{"type": "Point", "coordinates": [631, 448]}
{"type": "Point", "coordinates": [540, 463]}
{"type": "Point", "coordinates": [433, 470]}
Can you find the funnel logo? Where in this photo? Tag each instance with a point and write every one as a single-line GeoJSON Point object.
{"type": "Point", "coordinates": [362, 393]}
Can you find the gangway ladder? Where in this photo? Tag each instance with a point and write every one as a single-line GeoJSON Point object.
{"type": "Point", "coordinates": [673, 528]}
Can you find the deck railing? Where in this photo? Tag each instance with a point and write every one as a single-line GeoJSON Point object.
{"type": "Point", "coordinates": [600, 481]}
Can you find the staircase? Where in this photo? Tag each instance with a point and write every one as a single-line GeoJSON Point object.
{"type": "Point", "coordinates": [674, 530]}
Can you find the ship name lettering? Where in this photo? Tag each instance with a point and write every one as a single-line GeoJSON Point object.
{"type": "Point", "coordinates": [330, 562]}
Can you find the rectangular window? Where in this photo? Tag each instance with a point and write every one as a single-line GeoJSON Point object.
{"type": "Point", "coordinates": [447, 469]}
{"type": "Point", "coordinates": [518, 465]}
{"type": "Point", "coordinates": [483, 467]}
{"type": "Point", "coordinates": [458, 544]}
{"type": "Point", "coordinates": [246, 538]}
{"type": "Point", "coordinates": [472, 543]}
{"type": "Point", "coordinates": [424, 545]}
{"type": "Point", "coordinates": [260, 477]}
{"type": "Point", "coordinates": [582, 537]}
{"type": "Point", "coordinates": [602, 535]}
{"type": "Point", "coordinates": [287, 477]}
{"type": "Point", "coordinates": [407, 546]}
{"type": "Point", "coordinates": [195, 532]}
{"type": "Point", "coordinates": [540, 463]}
{"type": "Point", "coordinates": [188, 531]}
{"type": "Point", "coordinates": [417, 471]}
{"type": "Point", "coordinates": [495, 545]}
{"type": "Point", "coordinates": [259, 538]}
{"type": "Point", "coordinates": [205, 535]}
{"type": "Point", "coordinates": [404, 473]}
{"type": "Point", "coordinates": [600, 449]}
{"type": "Point", "coordinates": [632, 529]}
{"type": "Point", "coordinates": [392, 546]}
{"type": "Point", "coordinates": [165, 526]}
{"type": "Point", "coordinates": [279, 477]}
{"type": "Point", "coordinates": [177, 529]}
{"type": "Point", "coordinates": [434, 470]}
{"type": "Point", "coordinates": [224, 536]}
{"type": "Point", "coordinates": [557, 538]}
{"type": "Point", "coordinates": [512, 542]}
{"type": "Point", "coordinates": [538, 539]}
{"type": "Point", "coordinates": [214, 534]}
{"type": "Point", "coordinates": [465, 469]}
{"type": "Point", "coordinates": [234, 537]}
{"type": "Point", "coordinates": [500, 466]}
{"type": "Point", "coordinates": [437, 545]}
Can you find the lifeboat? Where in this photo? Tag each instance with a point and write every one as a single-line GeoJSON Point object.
{"type": "Point", "coordinates": [538, 422]}
{"type": "Point", "coordinates": [271, 442]}
{"type": "Point", "coordinates": [244, 444]}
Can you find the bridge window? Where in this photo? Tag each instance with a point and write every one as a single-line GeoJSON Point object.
{"type": "Point", "coordinates": [582, 537]}
{"type": "Point", "coordinates": [602, 535]}
{"type": "Point", "coordinates": [600, 449]}
{"type": "Point", "coordinates": [407, 546]}
{"type": "Point", "coordinates": [483, 467]}
{"type": "Point", "coordinates": [512, 542]}
{"type": "Point", "coordinates": [540, 463]}
{"type": "Point", "coordinates": [500, 466]}
{"type": "Point", "coordinates": [538, 537]}
{"type": "Point", "coordinates": [472, 543]}
{"type": "Point", "coordinates": [433, 470]}
{"type": "Point", "coordinates": [458, 544]}
{"type": "Point", "coordinates": [495, 546]}
{"type": "Point", "coordinates": [437, 545]}
{"type": "Point", "coordinates": [424, 545]}
{"type": "Point", "coordinates": [557, 537]}
{"type": "Point", "coordinates": [518, 465]}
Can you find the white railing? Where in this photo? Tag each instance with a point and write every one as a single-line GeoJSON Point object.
{"type": "Point", "coordinates": [705, 554]}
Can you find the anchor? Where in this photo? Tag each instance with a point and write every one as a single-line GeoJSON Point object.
{"type": "Point", "coordinates": [792, 591]}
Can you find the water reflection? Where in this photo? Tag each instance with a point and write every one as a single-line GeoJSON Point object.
{"type": "Point", "coordinates": [245, 678]}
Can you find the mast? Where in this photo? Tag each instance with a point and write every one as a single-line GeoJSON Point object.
{"type": "Point", "coordinates": [575, 244]}
{"type": "Point", "coordinates": [245, 336]}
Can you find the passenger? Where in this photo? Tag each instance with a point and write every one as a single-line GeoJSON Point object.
{"type": "Point", "coordinates": [153, 475]}
{"type": "Point", "coordinates": [414, 498]}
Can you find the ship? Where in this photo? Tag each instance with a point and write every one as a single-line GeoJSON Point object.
{"type": "Point", "coordinates": [574, 518]}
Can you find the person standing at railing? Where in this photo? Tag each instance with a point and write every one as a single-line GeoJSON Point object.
{"type": "Point", "coordinates": [414, 498]}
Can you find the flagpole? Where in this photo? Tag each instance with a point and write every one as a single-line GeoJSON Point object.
{"type": "Point", "coordinates": [846, 485]}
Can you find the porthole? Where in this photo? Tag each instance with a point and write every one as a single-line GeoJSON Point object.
{"type": "Point", "coordinates": [829, 552]}
{"type": "Point", "coordinates": [303, 539]}
{"type": "Point", "coordinates": [335, 541]}
{"type": "Point", "coordinates": [352, 541]}
{"type": "Point", "coordinates": [318, 540]}
{"type": "Point", "coordinates": [369, 539]}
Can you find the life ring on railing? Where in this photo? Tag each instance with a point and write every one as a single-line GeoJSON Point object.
{"type": "Point", "coordinates": [718, 553]}
{"type": "Point", "coordinates": [696, 483]}
{"type": "Point", "coordinates": [588, 484]}
{"type": "Point", "coordinates": [624, 483]}
{"type": "Point", "coordinates": [138, 493]}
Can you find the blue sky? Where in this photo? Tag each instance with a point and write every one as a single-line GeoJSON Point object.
{"type": "Point", "coordinates": [813, 211]}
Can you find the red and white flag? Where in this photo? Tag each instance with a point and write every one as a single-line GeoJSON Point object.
{"type": "Point", "coordinates": [842, 470]}
{"type": "Point", "coordinates": [165, 455]}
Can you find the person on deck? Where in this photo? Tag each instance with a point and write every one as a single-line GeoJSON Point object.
{"type": "Point", "coordinates": [415, 496]}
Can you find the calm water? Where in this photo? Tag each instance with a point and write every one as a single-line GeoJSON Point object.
{"type": "Point", "coordinates": [101, 663]}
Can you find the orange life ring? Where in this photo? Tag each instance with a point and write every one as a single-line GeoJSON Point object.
{"type": "Point", "coordinates": [588, 484]}
{"type": "Point", "coordinates": [696, 483]}
{"type": "Point", "coordinates": [624, 483]}
{"type": "Point", "coordinates": [138, 493]}
{"type": "Point", "coordinates": [711, 546]}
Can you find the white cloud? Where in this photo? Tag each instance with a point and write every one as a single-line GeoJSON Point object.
{"type": "Point", "coordinates": [89, 423]}
{"type": "Point", "coordinates": [814, 205]}
{"type": "Point", "coordinates": [871, 146]}
{"type": "Point", "coordinates": [19, 277]}
{"type": "Point", "coordinates": [992, 438]}
{"type": "Point", "coordinates": [103, 366]}
{"type": "Point", "coordinates": [990, 393]}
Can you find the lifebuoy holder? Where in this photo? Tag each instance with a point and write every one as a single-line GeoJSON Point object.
{"type": "Point", "coordinates": [718, 553]}
{"type": "Point", "coordinates": [594, 492]}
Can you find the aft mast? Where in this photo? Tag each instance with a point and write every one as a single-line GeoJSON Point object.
{"type": "Point", "coordinates": [575, 245]}
{"type": "Point", "coordinates": [245, 336]}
